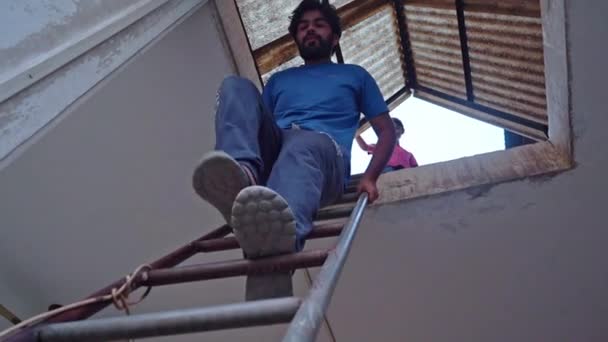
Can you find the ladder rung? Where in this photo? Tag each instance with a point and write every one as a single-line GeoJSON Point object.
{"type": "Point", "coordinates": [232, 268]}
{"type": "Point", "coordinates": [227, 243]}
{"type": "Point", "coordinates": [248, 314]}
{"type": "Point", "coordinates": [334, 212]}
{"type": "Point", "coordinates": [354, 179]}
{"type": "Point", "coordinates": [347, 198]}
{"type": "Point", "coordinates": [351, 188]}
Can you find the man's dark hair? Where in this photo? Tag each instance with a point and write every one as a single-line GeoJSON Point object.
{"type": "Point", "coordinates": [328, 11]}
{"type": "Point", "coordinates": [398, 123]}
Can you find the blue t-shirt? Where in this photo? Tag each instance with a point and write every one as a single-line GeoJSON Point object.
{"type": "Point", "coordinates": [324, 98]}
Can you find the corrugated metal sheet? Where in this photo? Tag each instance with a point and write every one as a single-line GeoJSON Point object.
{"type": "Point", "coordinates": [505, 52]}
{"type": "Point", "coordinates": [265, 20]}
{"type": "Point", "coordinates": [374, 45]}
{"type": "Point", "coordinates": [435, 43]}
{"type": "Point", "coordinates": [268, 20]}
{"type": "Point", "coordinates": [507, 64]}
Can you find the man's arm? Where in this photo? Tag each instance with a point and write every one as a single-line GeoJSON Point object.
{"type": "Point", "coordinates": [385, 130]}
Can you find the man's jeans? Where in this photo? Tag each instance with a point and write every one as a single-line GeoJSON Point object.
{"type": "Point", "coordinates": [305, 167]}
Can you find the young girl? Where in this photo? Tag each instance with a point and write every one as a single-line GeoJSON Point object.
{"type": "Point", "coordinates": [400, 159]}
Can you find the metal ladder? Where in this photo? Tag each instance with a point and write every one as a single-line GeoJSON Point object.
{"type": "Point", "coordinates": [305, 315]}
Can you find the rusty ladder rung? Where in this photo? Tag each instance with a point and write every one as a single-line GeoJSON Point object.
{"type": "Point", "coordinates": [230, 242]}
{"type": "Point", "coordinates": [232, 268]}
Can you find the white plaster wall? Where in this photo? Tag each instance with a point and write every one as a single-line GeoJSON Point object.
{"type": "Point", "coordinates": [522, 261]}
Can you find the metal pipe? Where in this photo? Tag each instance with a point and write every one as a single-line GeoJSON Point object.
{"type": "Point", "coordinates": [230, 242]}
{"type": "Point", "coordinates": [247, 314]}
{"type": "Point", "coordinates": [408, 64]}
{"type": "Point", "coordinates": [233, 268]}
{"type": "Point", "coordinates": [6, 313]}
{"type": "Point", "coordinates": [464, 47]}
{"type": "Point", "coordinates": [305, 324]}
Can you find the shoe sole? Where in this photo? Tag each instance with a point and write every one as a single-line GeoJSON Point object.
{"type": "Point", "coordinates": [263, 223]}
{"type": "Point", "coordinates": [264, 226]}
{"type": "Point", "coordinates": [218, 179]}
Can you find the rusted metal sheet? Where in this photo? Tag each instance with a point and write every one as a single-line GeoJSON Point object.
{"type": "Point", "coordinates": [435, 42]}
{"type": "Point", "coordinates": [524, 8]}
{"type": "Point", "coordinates": [507, 63]}
{"type": "Point", "coordinates": [269, 38]}
{"type": "Point", "coordinates": [265, 21]}
{"type": "Point", "coordinates": [493, 60]}
{"type": "Point", "coordinates": [374, 44]}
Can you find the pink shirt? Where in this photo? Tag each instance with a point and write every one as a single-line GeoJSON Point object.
{"type": "Point", "coordinates": [400, 157]}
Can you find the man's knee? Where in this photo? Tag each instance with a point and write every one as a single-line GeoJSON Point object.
{"type": "Point", "coordinates": [237, 84]}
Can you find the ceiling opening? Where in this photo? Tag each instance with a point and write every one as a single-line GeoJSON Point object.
{"type": "Point", "coordinates": [434, 134]}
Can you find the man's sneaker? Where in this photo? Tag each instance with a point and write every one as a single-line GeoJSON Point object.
{"type": "Point", "coordinates": [264, 225]}
{"type": "Point", "coordinates": [218, 179]}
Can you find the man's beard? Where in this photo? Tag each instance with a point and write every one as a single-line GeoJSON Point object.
{"type": "Point", "coordinates": [323, 50]}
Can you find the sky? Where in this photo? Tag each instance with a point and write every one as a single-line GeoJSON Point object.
{"type": "Point", "coordinates": [434, 134]}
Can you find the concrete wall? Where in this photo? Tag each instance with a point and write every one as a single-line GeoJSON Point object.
{"type": "Point", "coordinates": [523, 261]}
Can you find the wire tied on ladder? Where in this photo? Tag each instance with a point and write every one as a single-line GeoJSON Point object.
{"type": "Point", "coordinates": [119, 296]}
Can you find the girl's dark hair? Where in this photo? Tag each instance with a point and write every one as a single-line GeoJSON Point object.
{"type": "Point", "coordinates": [328, 11]}
{"type": "Point", "coordinates": [398, 123]}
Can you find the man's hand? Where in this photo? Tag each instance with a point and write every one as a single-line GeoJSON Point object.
{"type": "Point", "coordinates": [385, 130]}
{"type": "Point", "coordinates": [368, 185]}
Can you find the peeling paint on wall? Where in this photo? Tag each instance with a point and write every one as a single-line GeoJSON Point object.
{"type": "Point", "coordinates": [28, 18]}
{"type": "Point", "coordinates": [27, 112]}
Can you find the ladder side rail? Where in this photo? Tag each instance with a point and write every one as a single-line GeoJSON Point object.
{"type": "Point", "coordinates": [238, 315]}
{"type": "Point", "coordinates": [308, 319]}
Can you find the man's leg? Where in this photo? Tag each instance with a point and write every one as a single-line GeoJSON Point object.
{"type": "Point", "coordinates": [247, 143]}
{"type": "Point", "coordinates": [309, 173]}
